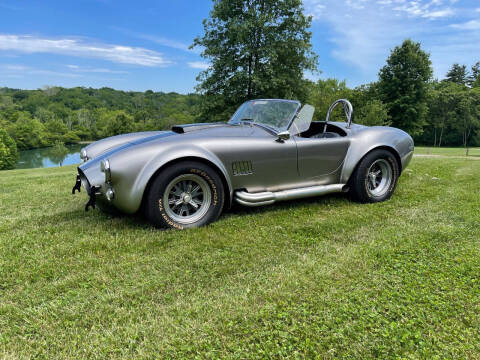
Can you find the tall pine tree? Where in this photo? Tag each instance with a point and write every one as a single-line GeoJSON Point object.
{"type": "Point", "coordinates": [257, 49]}
{"type": "Point", "coordinates": [458, 74]}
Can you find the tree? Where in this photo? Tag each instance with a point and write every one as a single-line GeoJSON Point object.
{"type": "Point", "coordinates": [467, 109]}
{"type": "Point", "coordinates": [403, 85]}
{"type": "Point", "coordinates": [28, 133]}
{"type": "Point", "coordinates": [458, 74]}
{"type": "Point", "coordinates": [322, 95]}
{"type": "Point", "coordinates": [373, 113]}
{"type": "Point", "coordinates": [442, 104]}
{"type": "Point", "coordinates": [117, 122]}
{"type": "Point", "coordinates": [8, 151]}
{"type": "Point", "coordinates": [474, 78]}
{"type": "Point", "coordinates": [257, 49]}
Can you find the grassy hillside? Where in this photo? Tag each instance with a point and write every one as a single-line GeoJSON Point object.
{"type": "Point", "coordinates": [322, 277]}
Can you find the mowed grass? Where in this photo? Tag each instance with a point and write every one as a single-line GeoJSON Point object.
{"type": "Point", "coordinates": [442, 151]}
{"type": "Point", "coordinates": [320, 278]}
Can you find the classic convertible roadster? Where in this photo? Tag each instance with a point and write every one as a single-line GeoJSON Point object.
{"type": "Point", "coordinates": [270, 150]}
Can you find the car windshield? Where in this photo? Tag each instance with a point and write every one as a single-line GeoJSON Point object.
{"type": "Point", "coordinates": [275, 114]}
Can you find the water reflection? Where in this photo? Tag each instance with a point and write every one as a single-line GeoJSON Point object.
{"type": "Point", "coordinates": [45, 157]}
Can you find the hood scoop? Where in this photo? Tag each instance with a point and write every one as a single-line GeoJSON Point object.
{"type": "Point", "coordinates": [182, 129]}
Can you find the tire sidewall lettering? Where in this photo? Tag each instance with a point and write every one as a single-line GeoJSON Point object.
{"type": "Point", "coordinates": [210, 181]}
{"type": "Point", "coordinates": [166, 218]}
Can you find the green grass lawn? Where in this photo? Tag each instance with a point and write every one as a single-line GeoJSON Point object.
{"type": "Point", "coordinates": [322, 278]}
{"type": "Point", "coordinates": [422, 150]}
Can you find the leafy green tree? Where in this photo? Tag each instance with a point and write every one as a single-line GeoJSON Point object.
{"type": "Point", "coordinates": [28, 133]}
{"type": "Point", "coordinates": [474, 79]}
{"type": "Point", "coordinates": [6, 102]}
{"type": "Point", "coordinates": [442, 104]}
{"type": "Point", "coordinates": [322, 95]}
{"type": "Point", "coordinates": [44, 115]}
{"type": "Point", "coordinates": [468, 115]}
{"type": "Point", "coordinates": [373, 113]}
{"type": "Point", "coordinates": [8, 151]}
{"type": "Point", "coordinates": [55, 130]}
{"type": "Point", "coordinates": [403, 85]}
{"type": "Point", "coordinates": [117, 122]}
{"type": "Point", "coordinates": [458, 74]}
{"type": "Point", "coordinates": [257, 49]}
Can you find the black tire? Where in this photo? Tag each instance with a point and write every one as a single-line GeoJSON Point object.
{"type": "Point", "coordinates": [363, 181]}
{"type": "Point", "coordinates": [180, 181]}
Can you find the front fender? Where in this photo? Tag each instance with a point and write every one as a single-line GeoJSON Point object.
{"type": "Point", "coordinates": [132, 194]}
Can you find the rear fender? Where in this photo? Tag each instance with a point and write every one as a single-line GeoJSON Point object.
{"type": "Point", "coordinates": [395, 140]}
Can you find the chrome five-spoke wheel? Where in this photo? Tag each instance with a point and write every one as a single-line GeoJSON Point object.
{"type": "Point", "coordinates": [379, 177]}
{"type": "Point", "coordinates": [375, 177]}
{"type": "Point", "coordinates": [187, 198]}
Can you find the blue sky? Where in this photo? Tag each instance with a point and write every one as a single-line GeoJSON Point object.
{"type": "Point", "coordinates": [141, 45]}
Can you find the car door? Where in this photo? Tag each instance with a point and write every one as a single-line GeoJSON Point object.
{"type": "Point", "coordinates": [254, 158]}
{"type": "Point", "coordinates": [262, 163]}
{"type": "Point", "coordinates": [321, 159]}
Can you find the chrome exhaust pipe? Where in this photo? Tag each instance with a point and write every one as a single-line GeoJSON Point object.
{"type": "Point", "coordinates": [267, 198]}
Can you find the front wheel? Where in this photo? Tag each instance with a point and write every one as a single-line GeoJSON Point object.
{"type": "Point", "coordinates": [375, 178]}
{"type": "Point", "coordinates": [185, 195]}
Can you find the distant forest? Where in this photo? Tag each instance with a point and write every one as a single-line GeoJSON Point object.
{"type": "Point", "coordinates": [39, 118]}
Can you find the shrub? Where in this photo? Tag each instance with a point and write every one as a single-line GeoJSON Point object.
{"type": "Point", "coordinates": [8, 151]}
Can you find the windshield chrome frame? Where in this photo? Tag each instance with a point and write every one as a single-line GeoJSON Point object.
{"type": "Point", "coordinates": [299, 106]}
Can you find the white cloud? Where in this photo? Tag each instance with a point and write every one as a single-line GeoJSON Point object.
{"type": "Point", "coordinates": [164, 41]}
{"type": "Point", "coordinates": [77, 47]}
{"type": "Point", "coordinates": [199, 65]}
{"type": "Point", "coordinates": [77, 68]}
{"type": "Point", "coordinates": [160, 40]}
{"type": "Point", "coordinates": [469, 25]}
{"type": "Point", "coordinates": [17, 71]}
{"type": "Point", "coordinates": [426, 9]}
{"type": "Point", "coordinates": [364, 31]}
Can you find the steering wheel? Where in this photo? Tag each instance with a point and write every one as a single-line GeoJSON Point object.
{"type": "Point", "coordinates": [347, 108]}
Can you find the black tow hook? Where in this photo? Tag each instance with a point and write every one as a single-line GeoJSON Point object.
{"type": "Point", "coordinates": [91, 200]}
{"type": "Point", "coordinates": [78, 185]}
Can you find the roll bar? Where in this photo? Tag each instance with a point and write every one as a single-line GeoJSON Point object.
{"type": "Point", "coordinates": [347, 108]}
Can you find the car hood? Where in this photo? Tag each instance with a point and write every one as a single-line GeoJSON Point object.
{"type": "Point", "coordinates": [107, 145]}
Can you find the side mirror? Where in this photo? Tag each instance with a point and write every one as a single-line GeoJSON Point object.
{"type": "Point", "coordinates": [283, 136]}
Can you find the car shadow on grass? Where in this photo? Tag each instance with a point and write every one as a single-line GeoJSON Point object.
{"type": "Point", "coordinates": [238, 210]}
{"type": "Point", "coordinates": [100, 217]}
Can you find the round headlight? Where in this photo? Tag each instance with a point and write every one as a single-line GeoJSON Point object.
{"type": "Point", "coordinates": [83, 154]}
{"type": "Point", "coordinates": [105, 168]}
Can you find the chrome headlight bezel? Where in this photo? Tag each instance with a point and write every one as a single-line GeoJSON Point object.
{"type": "Point", "coordinates": [83, 154]}
{"type": "Point", "coordinates": [105, 168]}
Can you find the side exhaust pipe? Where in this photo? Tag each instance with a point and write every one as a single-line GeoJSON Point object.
{"type": "Point", "coordinates": [267, 198]}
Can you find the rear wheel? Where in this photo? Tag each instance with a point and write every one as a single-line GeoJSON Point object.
{"type": "Point", "coordinates": [375, 178]}
{"type": "Point", "coordinates": [185, 195]}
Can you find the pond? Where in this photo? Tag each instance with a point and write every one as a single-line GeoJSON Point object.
{"type": "Point", "coordinates": [45, 157]}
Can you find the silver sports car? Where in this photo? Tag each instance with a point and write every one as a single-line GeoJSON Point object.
{"type": "Point", "coordinates": [270, 150]}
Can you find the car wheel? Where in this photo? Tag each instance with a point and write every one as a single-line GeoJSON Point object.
{"type": "Point", "coordinates": [185, 195]}
{"type": "Point", "coordinates": [375, 178]}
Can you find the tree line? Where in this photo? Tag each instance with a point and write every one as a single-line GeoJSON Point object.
{"type": "Point", "coordinates": [53, 116]}
{"type": "Point", "coordinates": [257, 49]}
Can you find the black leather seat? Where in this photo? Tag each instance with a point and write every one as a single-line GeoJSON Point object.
{"type": "Point", "coordinates": [325, 135]}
